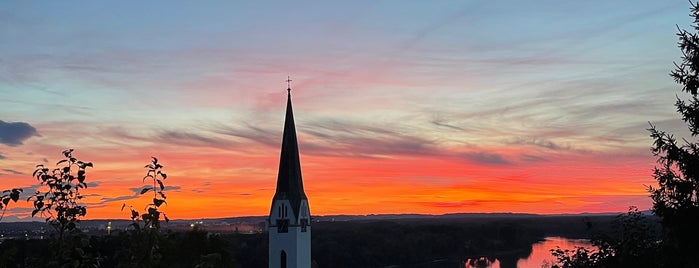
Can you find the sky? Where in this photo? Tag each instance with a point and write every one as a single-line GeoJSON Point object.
{"type": "Point", "coordinates": [400, 106]}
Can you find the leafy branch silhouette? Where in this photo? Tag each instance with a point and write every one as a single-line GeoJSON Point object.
{"type": "Point", "coordinates": [60, 201]}
{"type": "Point", "coordinates": [143, 248]}
{"type": "Point", "coordinates": [151, 217]}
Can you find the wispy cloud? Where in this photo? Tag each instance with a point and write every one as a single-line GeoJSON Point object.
{"type": "Point", "coordinates": [12, 171]}
{"type": "Point", "coordinates": [532, 158]}
{"type": "Point", "coordinates": [118, 198]}
{"type": "Point", "coordinates": [191, 139]}
{"type": "Point", "coordinates": [137, 191]}
{"type": "Point", "coordinates": [487, 158]}
{"type": "Point", "coordinates": [343, 137]}
{"type": "Point", "coordinates": [543, 143]}
{"type": "Point", "coordinates": [442, 123]}
{"type": "Point", "coordinates": [250, 132]}
{"type": "Point", "coordinates": [14, 133]}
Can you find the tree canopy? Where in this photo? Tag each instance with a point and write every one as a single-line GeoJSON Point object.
{"type": "Point", "coordinates": [675, 199]}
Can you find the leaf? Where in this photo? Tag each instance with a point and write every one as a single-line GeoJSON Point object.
{"type": "Point", "coordinates": [6, 201]}
{"type": "Point", "coordinates": [158, 202]}
{"type": "Point", "coordinates": [155, 160]}
{"type": "Point", "coordinates": [162, 187]}
{"type": "Point", "coordinates": [122, 206]}
{"type": "Point", "coordinates": [164, 175]}
{"type": "Point", "coordinates": [144, 178]}
{"type": "Point", "coordinates": [34, 212]}
{"type": "Point", "coordinates": [62, 161]}
{"type": "Point", "coordinates": [88, 164]}
{"type": "Point", "coordinates": [153, 211]}
{"type": "Point", "coordinates": [166, 218]}
{"type": "Point", "coordinates": [145, 190]}
{"type": "Point", "coordinates": [66, 153]}
{"type": "Point", "coordinates": [163, 195]}
{"type": "Point", "coordinates": [15, 195]}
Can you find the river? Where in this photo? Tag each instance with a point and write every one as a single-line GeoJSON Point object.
{"type": "Point", "coordinates": [540, 254]}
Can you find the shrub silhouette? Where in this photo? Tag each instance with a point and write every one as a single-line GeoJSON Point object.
{"type": "Point", "coordinates": [151, 218]}
{"type": "Point", "coordinates": [59, 204]}
{"type": "Point", "coordinates": [143, 243]}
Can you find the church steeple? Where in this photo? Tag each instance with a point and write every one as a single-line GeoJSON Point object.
{"type": "Point", "coordinates": [289, 223]}
{"type": "Point", "coordinates": [289, 181]}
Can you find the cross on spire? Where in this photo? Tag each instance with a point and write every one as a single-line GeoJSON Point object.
{"type": "Point", "coordinates": [288, 83]}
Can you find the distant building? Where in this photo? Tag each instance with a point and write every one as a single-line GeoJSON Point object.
{"type": "Point", "coordinates": [289, 222]}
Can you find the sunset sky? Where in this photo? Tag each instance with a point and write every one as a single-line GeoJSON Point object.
{"type": "Point", "coordinates": [400, 106]}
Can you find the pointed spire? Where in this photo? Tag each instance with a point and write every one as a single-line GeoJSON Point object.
{"type": "Point", "coordinates": [289, 181]}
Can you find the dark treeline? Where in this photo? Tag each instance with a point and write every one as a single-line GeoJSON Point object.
{"type": "Point", "coordinates": [409, 242]}
{"type": "Point", "coordinates": [357, 243]}
{"type": "Point", "coordinates": [124, 249]}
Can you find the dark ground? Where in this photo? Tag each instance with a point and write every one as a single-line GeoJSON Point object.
{"type": "Point", "coordinates": [349, 241]}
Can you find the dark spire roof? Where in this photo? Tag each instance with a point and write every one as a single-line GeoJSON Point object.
{"type": "Point", "coordinates": [289, 183]}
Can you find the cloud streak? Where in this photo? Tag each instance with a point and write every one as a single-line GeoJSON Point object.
{"type": "Point", "coordinates": [12, 171]}
{"type": "Point", "coordinates": [14, 133]}
{"type": "Point", "coordinates": [487, 158]}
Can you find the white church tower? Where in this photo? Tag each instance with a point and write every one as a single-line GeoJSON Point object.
{"type": "Point", "coordinates": [289, 222]}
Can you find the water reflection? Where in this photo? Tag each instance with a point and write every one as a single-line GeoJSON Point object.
{"type": "Point", "coordinates": [541, 251]}
{"type": "Point", "coordinates": [535, 258]}
{"type": "Point", "coordinates": [482, 262]}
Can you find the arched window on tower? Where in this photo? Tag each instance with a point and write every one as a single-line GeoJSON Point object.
{"type": "Point", "coordinates": [283, 260]}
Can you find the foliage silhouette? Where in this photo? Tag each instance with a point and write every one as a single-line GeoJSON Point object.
{"type": "Point", "coordinates": [676, 198]}
{"type": "Point", "coordinates": [143, 244]}
{"type": "Point", "coordinates": [59, 204]}
{"type": "Point", "coordinates": [6, 196]}
{"type": "Point", "coordinates": [151, 218]}
{"type": "Point", "coordinates": [633, 242]}
{"type": "Point", "coordinates": [179, 249]}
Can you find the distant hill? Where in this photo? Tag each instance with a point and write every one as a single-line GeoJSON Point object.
{"type": "Point", "coordinates": [257, 223]}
